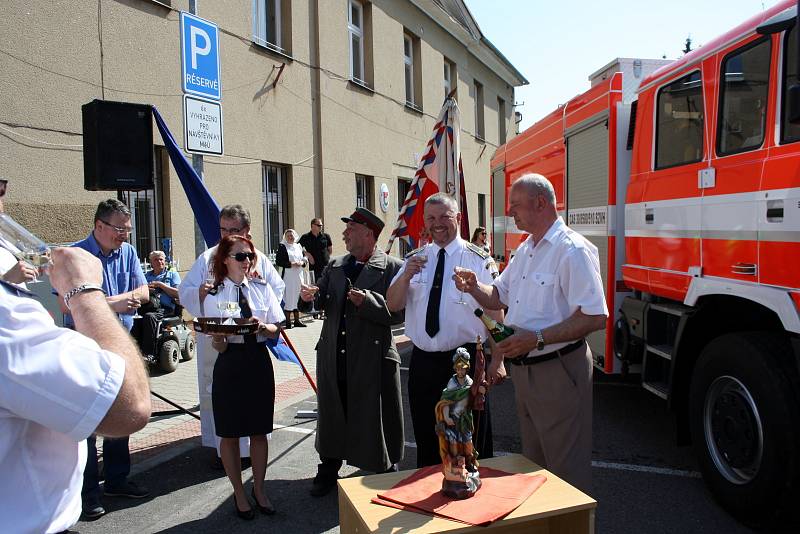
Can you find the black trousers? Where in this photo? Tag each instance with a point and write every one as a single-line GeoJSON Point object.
{"type": "Point", "coordinates": [428, 375]}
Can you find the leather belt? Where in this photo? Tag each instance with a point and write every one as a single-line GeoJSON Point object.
{"type": "Point", "coordinates": [547, 356]}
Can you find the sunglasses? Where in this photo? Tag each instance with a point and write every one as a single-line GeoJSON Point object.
{"type": "Point", "coordinates": [241, 256]}
{"type": "Point", "coordinates": [3, 186]}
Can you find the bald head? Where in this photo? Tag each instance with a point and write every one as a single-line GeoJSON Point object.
{"type": "Point", "coordinates": [534, 185]}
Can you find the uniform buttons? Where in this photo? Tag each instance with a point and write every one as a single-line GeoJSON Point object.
{"type": "Point", "coordinates": [343, 333]}
{"type": "Point", "coordinates": [376, 342]}
{"type": "Point", "coordinates": [342, 351]}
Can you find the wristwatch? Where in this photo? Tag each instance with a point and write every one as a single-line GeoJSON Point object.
{"type": "Point", "coordinates": [80, 289]}
{"type": "Point", "coordinates": [539, 340]}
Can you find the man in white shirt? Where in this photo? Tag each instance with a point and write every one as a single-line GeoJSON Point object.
{"type": "Point", "coordinates": [58, 386]}
{"type": "Point", "coordinates": [233, 220]}
{"type": "Point", "coordinates": [554, 294]}
{"type": "Point", "coordinates": [11, 269]}
{"type": "Point", "coordinates": [438, 323]}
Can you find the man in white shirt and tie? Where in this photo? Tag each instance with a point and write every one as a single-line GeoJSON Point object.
{"type": "Point", "coordinates": [437, 323]}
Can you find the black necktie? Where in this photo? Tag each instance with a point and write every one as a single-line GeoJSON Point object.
{"type": "Point", "coordinates": [246, 313]}
{"type": "Point", "coordinates": [432, 317]}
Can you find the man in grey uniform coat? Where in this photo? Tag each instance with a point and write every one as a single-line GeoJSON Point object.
{"type": "Point", "coordinates": [358, 367]}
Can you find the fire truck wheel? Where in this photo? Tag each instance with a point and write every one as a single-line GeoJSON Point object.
{"type": "Point", "coordinates": [744, 423]}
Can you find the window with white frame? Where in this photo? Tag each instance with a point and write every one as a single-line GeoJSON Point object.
{"type": "Point", "coordinates": [364, 192]}
{"type": "Point", "coordinates": [478, 98]}
{"type": "Point", "coordinates": [275, 187]}
{"type": "Point", "coordinates": [355, 27]}
{"type": "Point", "coordinates": [268, 23]}
{"type": "Point", "coordinates": [501, 121]}
{"type": "Point", "coordinates": [449, 77]}
{"type": "Point", "coordinates": [408, 61]}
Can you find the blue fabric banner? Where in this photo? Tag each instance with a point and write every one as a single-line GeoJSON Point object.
{"type": "Point", "coordinates": [281, 350]}
{"type": "Point", "coordinates": [205, 208]}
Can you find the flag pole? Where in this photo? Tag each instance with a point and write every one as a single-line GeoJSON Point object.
{"type": "Point", "coordinates": [297, 355]}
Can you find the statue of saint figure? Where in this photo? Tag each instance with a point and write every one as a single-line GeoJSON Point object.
{"type": "Point", "coordinates": [454, 426]}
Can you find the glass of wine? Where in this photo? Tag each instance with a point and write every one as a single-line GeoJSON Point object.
{"type": "Point", "coordinates": [458, 270]}
{"type": "Point", "coordinates": [227, 305]}
{"type": "Point", "coordinates": [137, 297]}
{"type": "Point", "coordinates": [22, 244]}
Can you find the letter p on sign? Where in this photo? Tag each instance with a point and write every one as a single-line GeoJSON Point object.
{"type": "Point", "coordinates": [197, 35]}
{"type": "Point", "coordinates": [200, 57]}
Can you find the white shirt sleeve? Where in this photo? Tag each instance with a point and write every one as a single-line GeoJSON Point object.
{"type": "Point", "coordinates": [189, 289]}
{"type": "Point", "coordinates": [503, 280]}
{"type": "Point", "coordinates": [53, 376]}
{"type": "Point", "coordinates": [271, 276]}
{"type": "Point", "coordinates": [581, 282]}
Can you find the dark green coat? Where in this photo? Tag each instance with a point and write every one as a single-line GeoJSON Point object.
{"type": "Point", "coordinates": [371, 436]}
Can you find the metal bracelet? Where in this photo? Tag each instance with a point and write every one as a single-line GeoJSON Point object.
{"type": "Point", "coordinates": [80, 289]}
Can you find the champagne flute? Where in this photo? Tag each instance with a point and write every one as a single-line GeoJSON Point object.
{"type": "Point", "coordinates": [310, 279]}
{"type": "Point", "coordinates": [422, 258]}
{"type": "Point", "coordinates": [23, 244]}
{"type": "Point", "coordinates": [458, 270]}
{"type": "Point", "coordinates": [137, 297]}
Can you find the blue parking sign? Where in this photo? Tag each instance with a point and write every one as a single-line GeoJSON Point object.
{"type": "Point", "coordinates": [200, 57]}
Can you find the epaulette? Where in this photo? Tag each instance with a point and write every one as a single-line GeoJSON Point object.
{"type": "Point", "coordinates": [478, 250]}
{"type": "Point", "coordinates": [414, 252]}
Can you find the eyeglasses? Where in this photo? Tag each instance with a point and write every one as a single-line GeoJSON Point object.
{"type": "Point", "coordinates": [3, 186]}
{"type": "Point", "coordinates": [229, 230]}
{"type": "Point", "coordinates": [241, 256]}
{"type": "Point", "coordinates": [118, 229]}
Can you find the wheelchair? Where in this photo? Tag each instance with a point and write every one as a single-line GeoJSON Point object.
{"type": "Point", "coordinates": [173, 340]}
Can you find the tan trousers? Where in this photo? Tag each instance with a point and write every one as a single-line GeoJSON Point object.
{"type": "Point", "coordinates": [554, 406]}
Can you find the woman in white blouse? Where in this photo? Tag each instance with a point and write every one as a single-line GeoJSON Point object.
{"type": "Point", "coordinates": [243, 391]}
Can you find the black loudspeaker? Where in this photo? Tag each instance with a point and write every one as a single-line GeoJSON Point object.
{"type": "Point", "coordinates": [117, 146]}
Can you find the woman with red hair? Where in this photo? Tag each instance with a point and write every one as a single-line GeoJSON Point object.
{"type": "Point", "coordinates": [243, 390]}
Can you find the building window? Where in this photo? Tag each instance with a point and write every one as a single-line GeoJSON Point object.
{"type": "Point", "coordinates": [501, 121]}
{"type": "Point", "coordinates": [481, 210]}
{"type": "Point", "coordinates": [413, 76]}
{"type": "Point", "coordinates": [364, 196]}
{"type": "Point", "coordinates": [450, 81]}
{"type": "Point", "coordinates": [276, 204]}
{"type": "Point", "coordinates": [478, 99]}
{"type": "Point", "coordinates": [147, 212]}
{"type": "Point", "coordinates": [272, 24]}
{"type": "Point", "coordinates": [355, 26]}
{"type": "Point", "coordinates": [679, 122]}
{"type": "Point", "coordinates": [743, 102]}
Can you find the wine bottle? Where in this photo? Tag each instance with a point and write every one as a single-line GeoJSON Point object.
{"type": "Point", "coordinates": [498, 331]}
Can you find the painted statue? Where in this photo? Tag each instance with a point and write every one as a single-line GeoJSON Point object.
{"type": "Point", "coordinates": [455, 425]}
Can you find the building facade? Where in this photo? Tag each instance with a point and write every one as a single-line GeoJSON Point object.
{"type": "Point", "coordinates": [323, 102]}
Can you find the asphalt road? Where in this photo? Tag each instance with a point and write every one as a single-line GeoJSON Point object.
{"type": "Point", "coordinates": [642, 481]}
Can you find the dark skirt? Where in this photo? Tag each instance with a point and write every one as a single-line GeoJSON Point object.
{"type": "Point", "coordinates": [243, 391]}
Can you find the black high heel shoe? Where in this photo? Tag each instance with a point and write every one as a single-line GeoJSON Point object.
{"type": "Point", "coordinates": [244, 514]}
{"type": "Point", "coordinates": [266, 510]}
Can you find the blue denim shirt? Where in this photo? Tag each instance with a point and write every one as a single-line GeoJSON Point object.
{"type": "Point", "coordinates": [172, 279]}
{"type": "Point", "coordinates": [122, 272]}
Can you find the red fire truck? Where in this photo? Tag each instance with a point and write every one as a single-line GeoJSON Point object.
{"type": "Point", "coordinates": [686, 176]}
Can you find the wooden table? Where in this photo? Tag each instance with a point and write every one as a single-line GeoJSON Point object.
{"type": "Point", "coordinates": [556, 507]}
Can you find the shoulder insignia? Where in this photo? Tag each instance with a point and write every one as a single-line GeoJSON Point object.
{"type": "Point", "coordinates": [478, 250]}
{"type": "Point", "coordinates": [414, 252]}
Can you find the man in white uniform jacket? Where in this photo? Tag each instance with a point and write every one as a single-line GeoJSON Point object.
{"type": "Point", "coordinates": [233, 220]}
{"type": "Point", "coordinates": [58, 386]}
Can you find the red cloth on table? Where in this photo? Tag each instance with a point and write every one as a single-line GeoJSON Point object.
{"type": "Point", "coordinates": [499, 495]}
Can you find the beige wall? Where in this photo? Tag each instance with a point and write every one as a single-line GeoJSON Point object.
{"type": "Point", "coordinates": [52, 66]}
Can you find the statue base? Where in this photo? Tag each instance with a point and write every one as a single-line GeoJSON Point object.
{"type": "Point", "coordinates": [457, 489]}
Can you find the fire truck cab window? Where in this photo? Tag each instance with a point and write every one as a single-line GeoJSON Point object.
{"type": "Point", "coordinates": [789, 132]}
{"type": "Point", "coordinates": [679, 122]}
{"type": "Point", "coordinates": [744, 84]}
